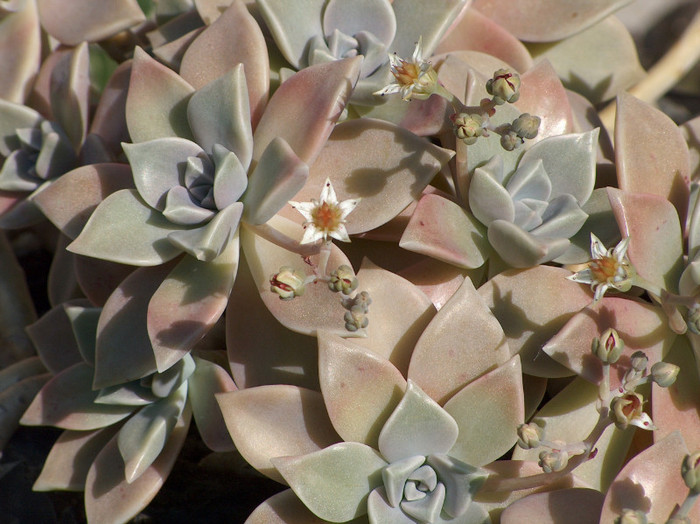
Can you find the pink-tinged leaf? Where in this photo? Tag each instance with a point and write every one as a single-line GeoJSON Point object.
{"type": "Point", "coordinates": [68, 401]}
{"type": "Point", "coordinates": [392, 332]}
{"type": "Point", "coordinates": [208, 380]}
{"type": "Point", "coordinates": [99, 278]}
{"type": "Point", "coordinates": [10, 200]}
{"type": "Point", "coordinates": [651, 482]}
{"type": "Point", "coordinates": [437, 280]}
{"type": "Point", "coordinates": [326, 88]}
{"type": "Point", "coordinates": [14, 373]}
{"type": "Point", "coordinates": [641, 326]}
{"type": "Point", "coordinates": [124, 350]}
{"type": "Point", "coordinates": [276, 421]}
{"type": "Point", "coordinates": [532, 305]}
{"type": "Point", "coordinates": [370, 159]}
{"type": "Point", "coordinates": [317, 308]}
{"type": "Point", "coordinates": [488, 412]}
{"type": "Point", "coordinates": [586, 119]}
{"type": "Point", "coordinates": [188, 303]}
{"type": "Point", "coordinates": [40, 97]}
{"type": "Point", "coordinates": [110, 498]}
{"type": "Point", "coordinates": [476, 32]}
{"type": "Point", "coordinates": [20, 52]}
{"type": "Point", "coordinates": [109, 121]}
{"type": "Point", "coordinates": [651, 223]}
{"type": "Point", "coordinates": [15, 399]}
{"type": "Point", "coordinates": [448, 355]}
{"type": "Point", "coordinates": [570, 416]}
{"type": "Point", "coordinates": [284, 508]}
{"type": "Point", "coordinates": [543, 94]}
{"type": "Point", "coordinates": [63, 284]}
{"type": "Point", "coordinates": [70, 87]}
{"type": "Point", "coordinates": [442, 229]}
{"type": "Point", "coordinates": [678, 406]}
{"type": "Point", "coordinates": [578, 62]}
{"type": "Point", "coordinates": [67, 465]}
{"type": "Point", "coordinates": [53, 338]}
{"type": "Point", "coordinates": [156, 105]}
{"type": "Point", "coordinates": [555, 507]}
{"type": "Point", "coordinates": [534, 389]}
{"type": "Point", "coordinates": [360, 389]}
{"type": "Point", "coordinates": [237, 32]}
{"type": "Point", "coordinates": [651, 154]}
{"type": "Point", "coordinates": [74, 22]}
{"type": "Point", "coordinates": [72, 198]}
{"type": "Point", "coordinates": [691, 133]}
{"type": "Point", "coordinates": [544, 21]}
{"type": "Point", "coordinates": [259, 346]}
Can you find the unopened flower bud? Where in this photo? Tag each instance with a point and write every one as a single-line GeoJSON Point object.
{"type": "Point", "coordinates": [529, 435]}
{"type": "Point", "coordinates": [526, 125]}
{"type": "Point", "coordinates": [510, 140]}
{"type": "Point", "coordinates": [631, 516]}
{"type": "Point", "coordinates": [554, 460]}
{"type": "Point", "coordinates": [639, 361]}
{"type": "Point", "coordinates": [356, 319]}
{"type": "Point", "coordinates": [690, 471]}
{"type": "Point", "coordinates": [468, 127]}
{"type": "Point", "coordinates": [343, 280]}
{"type": "Point", "coordinates": [360, 302]}
{"type": "Point", "coordinates": [504, 86]}
{"type": "Point", "coordinates": [626, 410]}
{"type": "Point", "coordinates": [288, 283]}
{"type": "Point", "coordinates": [608, 347]}
{"type": "Point", "coordinates": [664, 374]}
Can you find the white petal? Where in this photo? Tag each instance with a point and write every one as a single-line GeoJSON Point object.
{"type": "Point", "coordinates": [341, 233]}
{"type": "Point", "coordinates": [311, 235]}
{"type": "Point", "coordinates": [620, 251]}
{"type": "Point", "coordinates": [418, 51]}
{"type": "Point", "coordinates": [388, 90]}
{"type": "Point", "coordinates": [346, 207]}
{"type": "Point", "coordinates": [597, 248]}
{"type": "Point", "coordinates": [328, 193]}
{"type": "Point", "coordinates": [643, 421]}
{"type": "Point", "coordinates": [583, 277]}
{"type": "Point", "coordinates": [305, 208]}
{"type": "Point", "coordinates": [599, 292]}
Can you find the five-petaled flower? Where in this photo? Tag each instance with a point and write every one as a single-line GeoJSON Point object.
{"type": "Point", "coordinates": [607, 268]}
{"type": "Point", "coordinates": [325, 217]}
{"type": "Point", "coordinates": [413, 79]}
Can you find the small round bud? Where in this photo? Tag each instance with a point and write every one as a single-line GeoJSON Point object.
{"type": "Point", "coordinates": [552, 461]}
{"type": "Point", "coordinates": [343, 280]}
{"type": "Point", "coordinates": [468, 127]}
{"type": "Point", "coordinates": [510, 140]}
{"type": "Point", "coordinates": [526, 125]}
{"type": "Point", "coordinates": [631, 516]}
{"type": "Point", "coordinates": [664, 374]}
{"type": "Point", "coordinates": [529, 435]}
{"type": "Point", "coordinates": [288, 283]}
{"type": "Point", "coordinates": [504, 86]}
{"type": "Point", "coordinates": [361, 302]}
{"type": "Point", "coordinates": [608, 347]}
{"type": "Point", "coordinates": [690, 471]}
{"type": "Point", "coordinates": [355, 319]}
{"type": "Point", "coordinates": [639, 361]}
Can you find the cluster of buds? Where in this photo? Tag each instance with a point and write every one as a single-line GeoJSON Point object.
{"type": "Point", "coordinates": [690, 471]}
{"type": "Point", "coordinates": [556, 456]}
{"type": "Point", "coordinates": [357, 309]}
{"type": "Point", "coordinates": [522, 128]}
{"type": "Point", "coordinates": [504, 87]}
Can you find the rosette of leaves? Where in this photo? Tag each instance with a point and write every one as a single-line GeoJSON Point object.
{"type": "Point", "coordinates": [323, 30]}
{"type": "Point", "coordinates": [121, 440]}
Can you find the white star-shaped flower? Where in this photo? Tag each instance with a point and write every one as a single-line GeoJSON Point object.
{"type": "Point", "coordinates": [413, 79]}
{"type": "Point", "coordinates": [325, 217]}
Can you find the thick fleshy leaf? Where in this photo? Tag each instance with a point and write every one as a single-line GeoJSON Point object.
{"type": "Point", "coordinates": [109, 120]}
{"type": "Point", "coordinates": [110, 498]}
{"type": "Point", "coordinates": [392, 333]}
{"type": "Point", "coordinates": [447, 355]}
{"type": "Point", "coordinates": [556, 506]}
{"type": "Point", "coordinates": [70, 200]}
{"type": "Point", "coordinates": [20, 42]}
{"type": "Point", "coordinates": [207, 380]}
{"type": "Point", "coordinates": [476, 32]}
{"type": "Point", "coordinates": [653, 475]}
{"type": "Point", "coordinates": [532, 305]}
{"type": "Point", "coordinates": [651, 154]}
{"type": "Point", "coordinates": [370, 159]}
{"type": "Point", "coordinates": [63, 283]}
{"type": "Point", "coordinates": [16, 399]}
{"type": "Point", "coordinates": [326, 88]}
{"type": "Point", "coordinates": [84, 319]}
{"type": "Point", "coordinates": [678, 406]}
{"type": "Point", "coordinates": [488, 199]}
{"type": "Point", "coordinates": [124, 350]}
{"type": "Point", "coordinates": [156, 105]}
{"type": "Point", "coordinates": [537, 21]}
{"type": "Point", "coordinates": [83, 20]}
{"type": "Point", "coordinates": [277, 177]}
{"type": "Point", "coordinates": [125, 229]}
{"type": "Point", "coordinates": [68, 401]}
{"type": "Point", "coordinates": [70, 458]}
{"type": "Point", "coordinates": [520, 248]}
{"type": "Point", "coordinates": [188, 303]}
{"type": "Point", "coordinates": [237, 32]}
{"type": "Point", "coordinates": [360, 390]}
{"type": "Point", "coordinates": [13, 117]}
{"type": "Point", "coordinates": [570, 416]}
{"type": "Point", "coordinates": [488, 412]}
{"type": "Point", "coordinates": [652, 225]}
{"type": "Point", "coordinates": [577, 60]}
{"type": "Point", "coordinates": [334, 482]}
{"type": "Point", "coordinates": [418, 426]}
{"type": "Point", "coordinates": [286, 508]}
{"type": "Point", "coordinates": [437, 280]}
{"type": "Point", "coordinates": [275, 421]}
{"type": "Point", "coordinates": [70, 84]}
{"type": "Point", "coordinates": [641, 326]}
{"type": "Point", "coordinates": [99, 278]}
{"type": "Point", "coordinates": [413, 20]}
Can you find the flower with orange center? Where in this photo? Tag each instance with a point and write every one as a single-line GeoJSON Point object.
{"type": "Point", "coordinates": [607, 268]}
{"type": "Point", "coordinates": [325, 217]}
